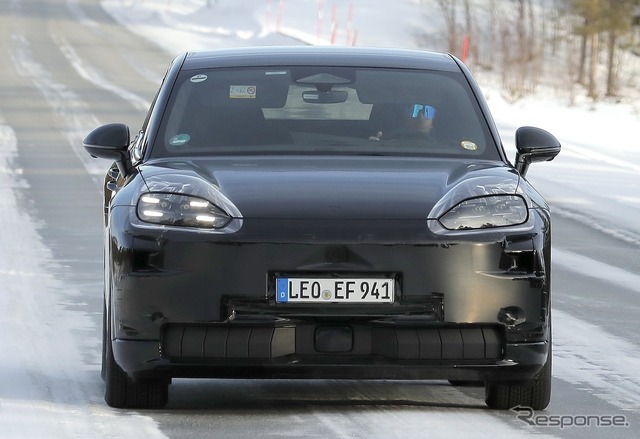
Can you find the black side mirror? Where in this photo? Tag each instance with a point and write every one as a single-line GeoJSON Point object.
{"type": "Point", "coordinates": [110, 142]}
{"type": "Point", "coordinates": [534, 145]}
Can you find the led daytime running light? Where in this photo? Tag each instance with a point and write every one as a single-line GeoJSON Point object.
{"type": "Point", "coordinates": [180, 210]}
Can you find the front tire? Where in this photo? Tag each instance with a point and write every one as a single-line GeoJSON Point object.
{"type": "Point", "coordinates": [535, 394]}
{"type": "Point", "coordinates": [123, 392]}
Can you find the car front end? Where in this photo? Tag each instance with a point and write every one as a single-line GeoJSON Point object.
{"type": "Point", "coordinates": [468, 303]}
{"type": "Point", "coordinates": [324, 213]}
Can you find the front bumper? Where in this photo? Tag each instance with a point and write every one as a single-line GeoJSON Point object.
{"type": "Point", "coordinates": [474, 306]}
{"type": "Point", "coordinates": [465, 353]}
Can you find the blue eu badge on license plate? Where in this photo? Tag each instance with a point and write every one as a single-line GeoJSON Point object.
{"type": "Point", "coordinates": [282, 290]}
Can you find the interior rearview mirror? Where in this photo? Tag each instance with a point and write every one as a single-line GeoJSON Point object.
{"type": "Point", "coordinates": [325, 97]}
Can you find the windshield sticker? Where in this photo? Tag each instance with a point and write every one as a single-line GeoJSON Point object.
{"type": "Point", "coordinates": [198, 78]}
{"type": "Point", "coordinates": [469, 145]}
{"type": "Point", "coordinates": [179, 139]}
{"type": "Point", "coordinates": [242, 92]}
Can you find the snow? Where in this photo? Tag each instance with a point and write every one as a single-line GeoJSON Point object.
{"type": "Point", "coordinates": [601, 362]}
{"type": "Point", "coordinates": [595, 176]}
{"type": "Point", "coordinates": [182, 25]}
{"type": "Point", "coordinates": [57, 400]}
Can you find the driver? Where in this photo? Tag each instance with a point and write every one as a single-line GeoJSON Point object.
{"type": "Point", "coordinates": [417, 123]}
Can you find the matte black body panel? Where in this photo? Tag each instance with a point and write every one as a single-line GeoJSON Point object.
{"type": "Point", "coordinates": [191, 302]}
{"type": "Point", "coordinates": [329, 187]}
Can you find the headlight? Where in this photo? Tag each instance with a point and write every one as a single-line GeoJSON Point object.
{"type": "Point", "coordinates": [180, 210]}
{"type": "Point", "coordinates": [485, 212]}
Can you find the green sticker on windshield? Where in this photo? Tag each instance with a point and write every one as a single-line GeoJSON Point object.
{"type": "Point", "coordinates": [179, 139]}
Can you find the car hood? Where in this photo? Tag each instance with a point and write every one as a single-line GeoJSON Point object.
{"type": "Point", "coordinates": [331, 187]}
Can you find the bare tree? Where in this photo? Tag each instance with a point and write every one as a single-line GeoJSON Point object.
{"type": "Point", "coordinates": [589, 30]}
{"type": "Point", "coordinates": [519, 37]}
{"type": "Point", "coordinates": [449, 11]}
{"type": "Point", "coordinates": [492, 31]}
{"type": "Point", "coordinates": [617, 22]}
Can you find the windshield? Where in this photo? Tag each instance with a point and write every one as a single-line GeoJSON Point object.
{"type": "Point", "coordinates": [323, 110]}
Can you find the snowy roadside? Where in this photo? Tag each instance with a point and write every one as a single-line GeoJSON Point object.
{"type": "Point", "coordinates": [596, 177]}
{"type": "Point", "coordinates": [47, 389]}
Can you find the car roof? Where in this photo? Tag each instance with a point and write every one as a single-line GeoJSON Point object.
{"type": "Point", "coordinates": [320, 55]}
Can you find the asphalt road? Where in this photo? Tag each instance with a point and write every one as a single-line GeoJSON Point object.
{"type": "Point", "coordinates": [68, 67]}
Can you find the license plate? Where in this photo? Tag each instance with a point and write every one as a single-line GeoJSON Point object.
{"type": "Point", "coordinates": [327, 290]}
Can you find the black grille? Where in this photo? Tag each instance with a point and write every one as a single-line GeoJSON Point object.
{"type": "Point", "coordinates": [451, 343]}
{"type": "Point", "coordinates": [227, 342]}
{"type": "Point", "coordinates": [394, 342]}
